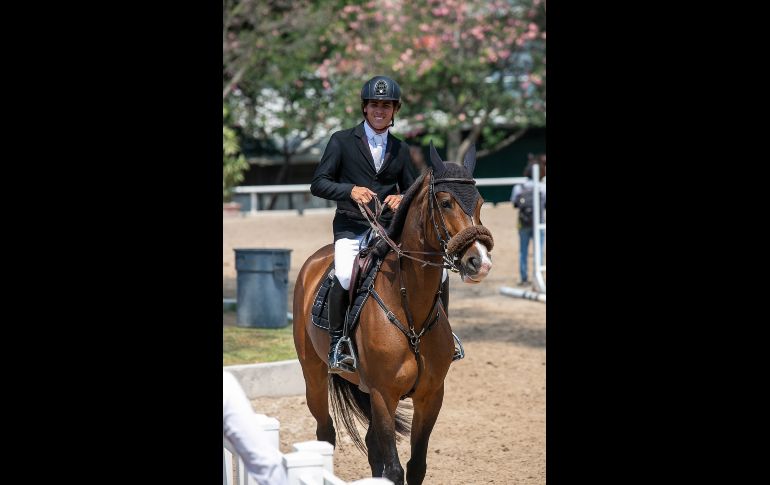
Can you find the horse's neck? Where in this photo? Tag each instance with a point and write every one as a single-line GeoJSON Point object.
{"type": "Point", "coordinates": [419, 235]}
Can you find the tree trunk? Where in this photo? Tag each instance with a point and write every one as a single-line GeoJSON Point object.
{"type": "Point", "coordinates": [454, 137]}
{"type": "Point", "coordinates": [281, 178]}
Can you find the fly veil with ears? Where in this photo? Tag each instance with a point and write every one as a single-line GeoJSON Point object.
{"type": "Point", "coordinates": [458, 181]}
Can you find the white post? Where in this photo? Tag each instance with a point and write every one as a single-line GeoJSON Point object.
{"type": "Point", "coordinates": [538, 266]}
{"type": "Point", "coordinates": [372, 481]}
{"type": "Point", "coordinates": [271, 427]}
{"type": "Point", "coordinates": [227, 472]}
{"type": "Point", "coordinates": [323, 448]}
{"type": "Point", "coordinates": [253, 199]}
{"type": "Point", "coordinates": [301, 463]}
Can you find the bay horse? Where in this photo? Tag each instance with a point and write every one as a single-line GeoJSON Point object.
{"type": "Point", "coordinates": [436, 226]}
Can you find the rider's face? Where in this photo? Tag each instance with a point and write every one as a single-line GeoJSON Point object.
{"type": "Point", "coordinates": [379, 113]}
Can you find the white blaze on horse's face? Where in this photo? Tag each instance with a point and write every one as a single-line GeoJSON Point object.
{"type": "Point", "coordinates": [476, 263]}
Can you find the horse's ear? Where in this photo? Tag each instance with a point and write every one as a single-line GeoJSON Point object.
{"type": "Point", "coordinates": [470, 159]}
{"type": "Point", "coordinates": [435, 160]}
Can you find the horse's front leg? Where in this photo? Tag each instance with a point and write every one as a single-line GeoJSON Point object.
{"type": "Point", "coordinates": [426, 409]}
{"type": "Point", "coordinates": [383, 423]}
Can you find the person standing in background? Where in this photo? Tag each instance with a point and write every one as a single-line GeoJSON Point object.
{"type": "Point", "coordinates": [522, 197]}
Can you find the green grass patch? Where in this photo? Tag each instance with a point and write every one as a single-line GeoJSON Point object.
{"type": "Point", "coordinates": [252, 345]}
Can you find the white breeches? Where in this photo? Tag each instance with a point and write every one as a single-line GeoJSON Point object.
{"type": "Point", "coordinates": [345, 251]}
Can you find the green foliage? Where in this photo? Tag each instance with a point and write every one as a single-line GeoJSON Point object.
{"type": "Point", "coordinates": [292, 70]}
{"type": "Point", "coordinates": [233, 161]}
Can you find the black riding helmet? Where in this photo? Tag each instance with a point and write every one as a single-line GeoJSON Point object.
{"type": "Point", "coordinates": [382, 88]}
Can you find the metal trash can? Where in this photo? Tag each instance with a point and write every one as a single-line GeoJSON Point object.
{"type": "Point", "coordinates": [263, 276]}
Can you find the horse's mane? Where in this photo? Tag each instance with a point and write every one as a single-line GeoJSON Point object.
{"type": "Point", "coordinates": [397, 224]}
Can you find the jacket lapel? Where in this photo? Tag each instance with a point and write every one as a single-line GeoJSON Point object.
{"type": "Point", "coordinates": [391, 152]}
{"type": "Point", "coordinates": [363, 144]}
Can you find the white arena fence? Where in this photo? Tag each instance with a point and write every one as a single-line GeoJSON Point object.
{"type": "Point", "coordinates": [311, 462]}
{"type": "Point", "coordinates": [254, 191]}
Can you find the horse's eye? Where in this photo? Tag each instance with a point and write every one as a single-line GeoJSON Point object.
{"type": "Point", "coordinates": [446, 204]}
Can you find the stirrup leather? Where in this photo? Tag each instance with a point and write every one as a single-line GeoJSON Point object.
{"type": "Point", "coordinates": [340, 361]}
{"type": "Point", "coordinates": [459, 351]}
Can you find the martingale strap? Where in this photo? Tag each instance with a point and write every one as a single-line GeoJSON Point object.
{"type": "Point", "coordinates": [412, 337]}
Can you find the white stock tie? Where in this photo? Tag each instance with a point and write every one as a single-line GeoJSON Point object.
{"type": "Point", "coordinates": [377, 151]}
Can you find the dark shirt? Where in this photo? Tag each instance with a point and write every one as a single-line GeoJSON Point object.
{"type": "Point", "coordinates": [347, 161]}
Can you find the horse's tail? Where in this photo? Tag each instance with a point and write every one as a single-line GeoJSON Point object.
{"type": "Point", "coordinates": [348, 401]}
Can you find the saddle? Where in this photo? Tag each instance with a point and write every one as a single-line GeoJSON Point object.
{"type": "Point", "coordinates": [365, 269]}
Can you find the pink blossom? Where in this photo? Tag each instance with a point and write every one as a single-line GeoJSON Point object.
{"type": "Point", "coordinates": [424, 28]}
{"type": "Point", "coordinates": [354, 25]}
{"type": "Point", "coordinates": [461, 117]}
{"type": "Point", "coordinates": [419, 117]}
{"type": "Point", "coordinates": [326, 84]}
{"type": "Point", "coordinates": [348, 109]}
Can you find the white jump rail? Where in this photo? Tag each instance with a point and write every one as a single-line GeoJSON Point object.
{"type": "Point", "coordinates": [311, 462]}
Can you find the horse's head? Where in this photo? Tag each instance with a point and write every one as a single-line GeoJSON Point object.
{"type": "Point", "coordinates": [454, 212]}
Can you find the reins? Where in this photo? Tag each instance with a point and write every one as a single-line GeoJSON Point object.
{"type": "Point", "coordinates": [449, 262]}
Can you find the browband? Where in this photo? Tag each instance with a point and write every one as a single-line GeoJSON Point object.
{"type": "Point", "coordinates": [455, 180]}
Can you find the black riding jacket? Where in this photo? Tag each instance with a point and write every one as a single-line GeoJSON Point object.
{"type": "Point", "coordinates": [347, 161]}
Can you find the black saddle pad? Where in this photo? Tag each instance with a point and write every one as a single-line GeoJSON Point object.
{"type": "Point", "coordinates": [320, 311]}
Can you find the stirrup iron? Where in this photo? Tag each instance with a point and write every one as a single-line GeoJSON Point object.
{"type": "Point", "coordinates": [343, 362]}
{"type": "Point", "coordinates": [459, 351]}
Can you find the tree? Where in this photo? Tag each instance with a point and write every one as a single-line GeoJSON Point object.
{"type": "Point", "coordinates": [273, 89]}
{"type": "Point", "coordinates": [474, 65]}
{"type": "Point", "coordinates": [234, 163]}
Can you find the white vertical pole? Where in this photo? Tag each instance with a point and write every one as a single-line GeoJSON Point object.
{"type": "Point", "coordinates": [227, 473]}
{"type": "Point", "coordinates": [538, 266]}
{"type": "Point", "coordinates": [253, 199]}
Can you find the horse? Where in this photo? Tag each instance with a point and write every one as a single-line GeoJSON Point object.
{"type": "Point", "coordinates": [437, 226]}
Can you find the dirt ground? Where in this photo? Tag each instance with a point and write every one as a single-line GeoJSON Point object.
{"type": "Point", "coordinates": [491, 428]}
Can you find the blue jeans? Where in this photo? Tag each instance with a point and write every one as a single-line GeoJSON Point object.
{"type": "Point", "coordinates": [525, 234]}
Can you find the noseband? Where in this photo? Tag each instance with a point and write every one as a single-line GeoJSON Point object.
{"type": "Point", "coordinates": [453, 246]}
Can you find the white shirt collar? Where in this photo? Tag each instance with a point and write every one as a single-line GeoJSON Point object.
{"type": "Point", "coordinates": [370, 132]}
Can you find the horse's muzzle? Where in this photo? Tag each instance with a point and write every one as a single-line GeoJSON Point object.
{"type": "Point", "coordinates": [474, 244]}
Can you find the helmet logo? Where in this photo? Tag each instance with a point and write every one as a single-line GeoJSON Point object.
{"type": "Point", "coordinates": [381, 88]}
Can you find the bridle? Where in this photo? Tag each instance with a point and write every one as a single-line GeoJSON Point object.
{"type": "Point", "coordinates": [450, 251]}
{"type": "Point", "coordinates": [450, 260]}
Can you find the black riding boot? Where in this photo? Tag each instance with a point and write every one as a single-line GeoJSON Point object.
{"type": "Point", "coordinates": [338, 306]}
{"type": "Point", "coordinates": [445, 295]}
{"type": "Point", "coordinates": [459, 352]}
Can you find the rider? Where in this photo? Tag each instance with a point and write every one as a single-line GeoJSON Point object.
{"type": "Point", "coordinates": [358, 164]}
